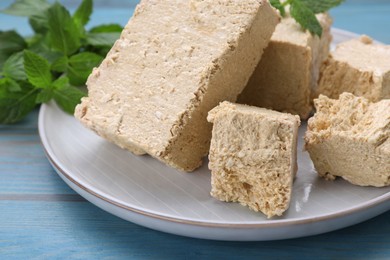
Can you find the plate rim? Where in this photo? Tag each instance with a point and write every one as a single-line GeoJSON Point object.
{"type": "Point", "coordinates": [61, 169]}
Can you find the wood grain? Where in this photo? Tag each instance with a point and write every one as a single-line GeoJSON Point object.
{"type": "Point", "coordinates": [80, 230]}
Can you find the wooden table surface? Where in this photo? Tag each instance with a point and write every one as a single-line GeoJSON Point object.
{"type": "Point", "coordinates": [41, 217]}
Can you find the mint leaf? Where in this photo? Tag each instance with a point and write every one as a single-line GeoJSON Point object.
{"type": "Point", "coordinates": [13, 86]}
{"type": "Point", "coordinates": [83, 12]}
{"type": "Point", "coordinates": [64, 34]}
{"type": "Point", "coordinates": [85, 60]}
{"type": "Point", "coordinates": [278, 5]}
{"type": "Point", "coordinates": [81, 65]}
{"type": "Point", "coordinates": [10, 42]}
{"type": "Point", "coordinates": [39, 22]}
{"type": "Point", "coordinates": [26, 7]}
{"type": "Point", "coordinates": [102, 39]}
{"type": "Point", "coordinates": [104, 28]}
{"type": "Point", "coordinates": [61, 82]}
{"type": "Point", "coordinates": [303, 11]}
{"type": "Point", "coordinates": [67, 97]}
{"type": "Point", "coordinates": [39, 45]}
{"type": "Point", "coordinates": [44, 96]}
{"type": "Point", "coordinates": [305, 17]}
{"type": "Point", "coordinates": [14, 106]}
{"type": "Point", "coordinates": [60, 64]}
{"type": "Point", "coordinates": [37, 69]}
{"type": "Point", "coordinates": [14, 68]}
{"type": "Point", "coordinates": [320, 6]}
{"type": "Point", "coordinates": [9, 84]}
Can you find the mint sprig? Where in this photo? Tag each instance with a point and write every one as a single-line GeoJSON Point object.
{"type": "Point", "coordinates": [304, 11]}
{"type": "Point", "coordinates": [53, 63]}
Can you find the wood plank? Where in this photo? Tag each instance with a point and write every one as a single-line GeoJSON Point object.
{"type": "Point", "coordinates": [80, 230]}
{"type": "Point", "coordinates": [41, 197]}
{"type": "Point", "coordinates": [24, 168]}
{"type": "Point", "coordinates": [29, 124]}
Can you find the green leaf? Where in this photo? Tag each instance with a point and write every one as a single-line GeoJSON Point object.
{"type": "Point", "coordinates": [67, 97]}
{"type": "Point", "coordinates": [85, 60]}
{"type": "Point", "coordinates": [26, 7]}
{"type": "Point", "coordinates": [10, 42]}
{"type": "Point", "coordinates": [37, 69]}
{"type": "Point", "coordinates": [61, 82]}
{"type": "Point", "coordinates": [14, 67]}
{"type": "Point", "coordinates": [305, 17]}
{"type": "Point", "coordinates": [60, 64]}
{"type": "Point", "coordinates": [278, 5]}
{"type": "Point", "coordinates": [35, 39]}
{"type": "Point", "coordinates": [83, 13]}
{"type": "Point", "coordinates": [44, 96]}
{"type": "Point", "coordinates": [10, 84]}
{"type": "Point", "coordinates": [320, 6]}
{"type": "Point", "coordinates": [39, 45]}
{"type": "Point", "coordinates": [13, 86]}
{"type": "Point", "coordinates": [64, 34]}
{"type": "Point", "coordinates": [14, 106]}
{"type": "Point", "coordinates": [75, 78]}
{"type": "Point", "coordinates": [81, 65]}
{"type": "Point", "coordinates": [102, 39]}
{"type": "Point", "coordinates": [101, 50]}
{"type": "Point", "coordinates": [39, 22]}
{"type": "Point", "coordinates": [106, 28]}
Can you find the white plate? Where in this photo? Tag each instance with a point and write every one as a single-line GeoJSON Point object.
{"type": "Point", "coordinates": [144, 191]}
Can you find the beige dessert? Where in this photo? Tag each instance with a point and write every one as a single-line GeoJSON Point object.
{"type": "Point", "coordinates": [350, 138]}
{"type": "Point", "coordinates": [287, 75]}
{"type": "Point", "coordinates": [357, 66]}
{"type": "Point", "coordinates": [253, 156]}
{"type": "Point", "coordinates": [174, 61]}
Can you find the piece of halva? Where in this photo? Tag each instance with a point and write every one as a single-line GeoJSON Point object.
{"type": "Point", "coordinates": [175, 60]}
{"type": "Point", "coordinates": [287, 74]}
{"type": "Point", "coordinates": [253, 157]}
{"type": "Point", "coordinates": [350, 138]}
{"type": "Point", "coordinates": [357, 66]}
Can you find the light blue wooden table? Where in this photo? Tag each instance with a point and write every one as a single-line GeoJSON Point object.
{"type": "Point", "coordinates": [42, 218]}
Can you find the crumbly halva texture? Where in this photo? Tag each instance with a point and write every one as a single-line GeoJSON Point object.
{"type": "Point", "coordinates": [358, 66]}
{"type": "Point", "coordinates": [350, 138]}
{"type": "Point", "coordinates": [253, 156]}
{"type": "Point", "coordinates": [175, 60]}
{"type": "Point", "coordinates": [287, 74]}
